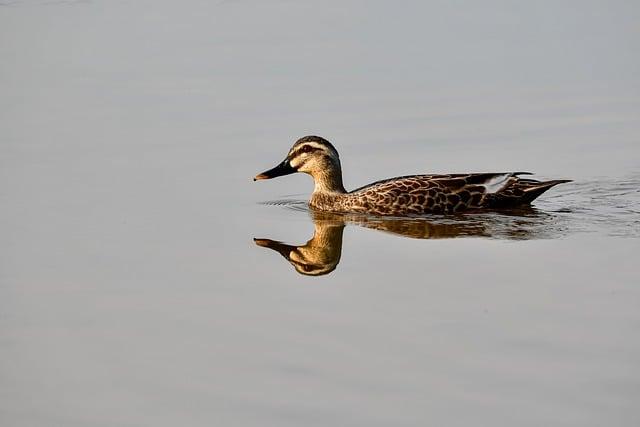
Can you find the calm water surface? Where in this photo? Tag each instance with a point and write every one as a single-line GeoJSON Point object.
{"type": "Point", "coordinates": [146, 280]}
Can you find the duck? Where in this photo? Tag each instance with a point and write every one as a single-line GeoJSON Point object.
{"type": "Point", "coordinates": [409, 195]}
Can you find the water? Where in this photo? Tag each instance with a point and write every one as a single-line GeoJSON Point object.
{"type": "Point", "coordinates": [133, 290]}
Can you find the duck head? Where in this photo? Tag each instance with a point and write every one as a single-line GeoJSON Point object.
{"type": "Point", "coordinates": [314, 156]}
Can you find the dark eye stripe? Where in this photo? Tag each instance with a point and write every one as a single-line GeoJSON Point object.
{"type": "Point", "coordinates": [305, 149]}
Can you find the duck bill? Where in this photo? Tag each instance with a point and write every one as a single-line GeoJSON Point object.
{"type": "Point", "coordinates": [283, 168]}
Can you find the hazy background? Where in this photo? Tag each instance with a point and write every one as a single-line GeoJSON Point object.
{"type": "Point", "coordinates": [132, 294]}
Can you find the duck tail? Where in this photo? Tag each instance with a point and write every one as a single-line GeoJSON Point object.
{"type": "Point", "coordinates": [535, 189]}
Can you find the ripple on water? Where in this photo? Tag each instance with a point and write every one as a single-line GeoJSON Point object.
{"type": "Point", "coordinates": [297, 204]}
{"type": "Point", "coordinates": [604, 205]}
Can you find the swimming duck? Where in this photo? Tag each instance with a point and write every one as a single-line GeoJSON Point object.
{"type": "Point", "coordinates": [404, 195]}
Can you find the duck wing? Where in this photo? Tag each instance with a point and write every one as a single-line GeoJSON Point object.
{"type": "Point", "coordinates": [454, 192]}
{"type": "Point", "coordinates": [457, 179]}
{"type": "Point", "coordinates": [520, 192]}
{"type": "Point", "coordinates": [497, 190]}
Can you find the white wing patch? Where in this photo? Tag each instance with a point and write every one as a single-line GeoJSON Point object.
{"type": "Point", "coordinates": [497, 183]}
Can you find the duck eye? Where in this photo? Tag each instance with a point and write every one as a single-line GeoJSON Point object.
{"type": "Point", "coordinates": [306, 149]}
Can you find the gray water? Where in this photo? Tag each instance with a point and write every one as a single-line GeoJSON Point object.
{"type": "Point", "coordinates": [133, 293]}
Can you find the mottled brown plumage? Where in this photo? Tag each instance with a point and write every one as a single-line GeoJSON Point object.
{"type": "Point", "coordinates": [405, 195]}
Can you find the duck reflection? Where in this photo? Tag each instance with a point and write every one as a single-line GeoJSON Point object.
{"type": "Point", "coordinates": [321, 254]}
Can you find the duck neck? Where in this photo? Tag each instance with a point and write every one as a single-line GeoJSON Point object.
{"type": "Point", "coordinates": [328, 180]}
